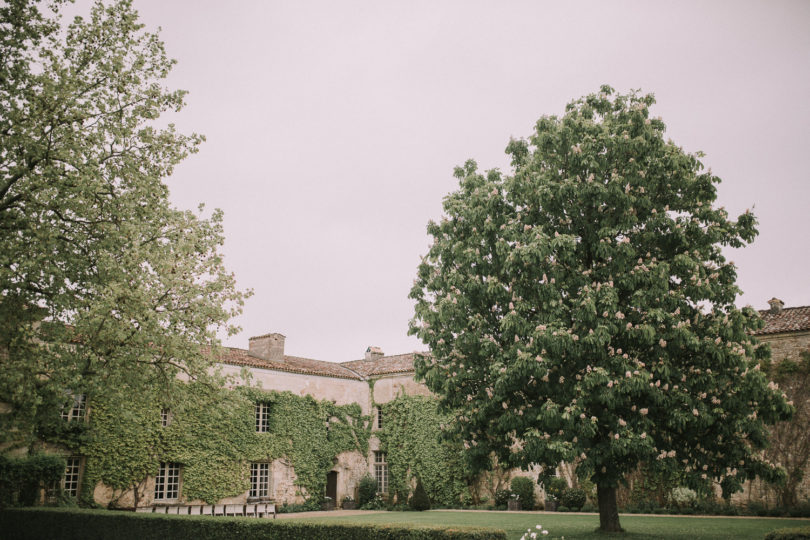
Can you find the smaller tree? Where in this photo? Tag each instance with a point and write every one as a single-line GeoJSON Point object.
{"type": "Point", "coordinates": [420, 500]}
{"type": "Point", "coordinates": [366, 490]}
{"type": "Point", "coordinates": [524, 488]}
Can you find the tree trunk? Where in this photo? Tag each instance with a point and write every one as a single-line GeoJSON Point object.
{"type": "Point", "coordinates": [608, 509]}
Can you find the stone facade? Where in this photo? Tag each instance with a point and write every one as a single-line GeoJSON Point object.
{"type": "Point", "coordinates": [787, 330]}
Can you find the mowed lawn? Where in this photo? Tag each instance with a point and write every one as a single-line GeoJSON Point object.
{"type": "Point", "coordinates": [573, 526]}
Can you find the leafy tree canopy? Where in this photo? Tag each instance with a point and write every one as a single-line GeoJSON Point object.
{"type": "Point", "coordinates": [580, 309]}
{"type": "Point", "coordinates": [126, 290]}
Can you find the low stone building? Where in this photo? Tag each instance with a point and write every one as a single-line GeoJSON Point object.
{"type": "Point", "coordinates": [370, 382]}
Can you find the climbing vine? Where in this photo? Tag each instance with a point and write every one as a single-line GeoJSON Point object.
{"type": "Point", "coordinates": [213, 435]}
{"type": "Point", "coordinates": [411, 437]}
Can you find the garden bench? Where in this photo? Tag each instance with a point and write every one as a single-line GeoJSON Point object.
{"type": "Point", "coordinates": [257, 510]}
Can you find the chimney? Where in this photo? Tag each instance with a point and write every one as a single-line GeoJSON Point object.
{"type": "Point", "coordinates": [374, 353]}
{"type": "Point", "coordinates": [776, 305]}
{"type": "Point", "coordinates": [267, 347]}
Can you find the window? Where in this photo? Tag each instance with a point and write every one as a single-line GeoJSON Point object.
{"type": "Point", "coordinates": [262, 417]}
{"type": "Point", "coordinates": [167, 482]}
{"type": "Point", "coordinates": [165, 417]}
{"type": "Point", "coordinates": [381, 472]}
{"type": "Point", "coordinates": [70, 482]}
{"type": "Point", "coordinates": [259, 479]}
{"type": "Point", "coordinates": [379, 417]}
{"type": "Point", "coordinates": [76, 410]}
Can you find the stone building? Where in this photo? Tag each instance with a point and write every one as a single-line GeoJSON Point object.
{"type": "Point", "coordinates": [787, 330]}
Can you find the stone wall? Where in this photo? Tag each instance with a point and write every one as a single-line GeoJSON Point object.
{"type": "Point", "coordinates": [787, 345]}
{"type": "Point", "coordinates": [340, 391]}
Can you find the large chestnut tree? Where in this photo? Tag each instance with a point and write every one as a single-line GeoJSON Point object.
{"type": "Point", "coordinates": [580, 309]}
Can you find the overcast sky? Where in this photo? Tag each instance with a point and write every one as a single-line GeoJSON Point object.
{"type": "Point", "coordinates": [333, 128]}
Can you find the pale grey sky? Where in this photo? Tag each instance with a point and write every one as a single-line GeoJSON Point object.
{"type": "Point", "coordinates": [333, 128]}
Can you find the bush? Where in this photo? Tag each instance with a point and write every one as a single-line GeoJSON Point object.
{"type": "Point", "coordinates": [524, 488]}
{"type": "Point", "coordinates": [420, 500]}
{"type": "Point", "coordinates": [21, 478]}
{"type": "Point", "coordinates": [588, 507]}
{"type": "Point", "coordinates": [563, 508]}
{"type": "Point", "coordinates": [683, 497]}
{"type": "Point", "coordinates": [555, 488]}
{"type": "Point", "coordinates": [377, 503]}
{"type": "Point", "coordinates": [38, 523]}
{"type": "Point", "coordinates": [800, 510]}
{"type": "Point", "coordinates": [757, 509]}
{"type": "Point", "coordinates": [502, 497]}
{"type": "Point", "coordinates": [573, 498]}
{"type": "Point", "coordinates": [366, 490]}
{"type": "Point", "coordinates": [798, 533]}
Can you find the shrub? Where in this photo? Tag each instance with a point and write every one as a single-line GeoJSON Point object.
{"type": "Point", "coordinates": [524, 488]}
{"type": "Point", "coordinates": [798, 533]}
{"type": "Point", "coordinates": [573, 498]}
{"type": "Point", "coordinates": [366, 490]}
{"type": "Point", "coordinates": [563, 508]}
{"type": "Point", "coordinates": [588, 507]}
{"type": "Point", "coordinates": [502, 497]}
{"type": "Point", "coordinates": [756, 508]}
{"type": "Point", "coordinates": [420, 500]}
{"type": "Point", "coordinates": [800, 510]}
{"type": "Point", "coordinates": [377, 503]}
{"type": "Point", "coordinates": [21, 478]}
{"type": "Point", "coordinates": [555, 488]}
{"type": "Point", "coordinates": [38, 523]}
{"type": "Point", "coordinates": [683, 497]}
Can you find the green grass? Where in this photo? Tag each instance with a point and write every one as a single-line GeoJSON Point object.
{"type": "Point", "coordinates": [573, 527]}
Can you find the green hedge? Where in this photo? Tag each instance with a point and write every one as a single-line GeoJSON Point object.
{"type": "Point", "coordinates": [797, 533]}
{"type": "Point", "coordinates": [70, 524]}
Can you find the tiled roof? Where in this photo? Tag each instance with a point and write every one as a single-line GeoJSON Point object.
{"type": "Point", "coordinates": [399, 363]}
{"type": "Point", "coordinates": [794, 319]}
{"type": "Point", "coordinates": [291, 364]}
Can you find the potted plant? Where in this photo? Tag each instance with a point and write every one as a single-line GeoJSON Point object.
{"type": "Point", "coordinates": [328, 503]}
{"type": "Point", "coordinates": [514, 502]}
{"type": "Point", "coordinates": [349, 503]}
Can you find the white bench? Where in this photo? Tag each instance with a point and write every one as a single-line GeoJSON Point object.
{"type": "Point", "coordinates": [234, 509]}
{"type": "Point", "coordinates": [259, 510]}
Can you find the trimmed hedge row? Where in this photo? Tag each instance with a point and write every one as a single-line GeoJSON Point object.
{"type": "Point", "coordinates": [797, 533]}
{"type": "Point", "coordinates": [70, 524]}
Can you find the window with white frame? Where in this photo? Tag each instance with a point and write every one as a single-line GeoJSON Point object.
{"type": "Point", "coordinates": [76, 409]}
{"type": "Point", "coordinates": [167, 482]}
{"type": "Point", "coordinates": [70, 482]}
{"type": "Point", "coordinates": [381, 472]}
{"type": "Point", "coordinates": [379, 418]}
{"type": "Point", "coordinates": [165, 417]}
{"type": "Point", "coordinates": [259, 480]}
{"type": "Point", "coordinates": [262, 417]}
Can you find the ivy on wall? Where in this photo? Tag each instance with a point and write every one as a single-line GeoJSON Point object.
{"type": "Point", "coordinates": [411, 437]}
{"type": "Point", "coordinates": [213, 435]}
